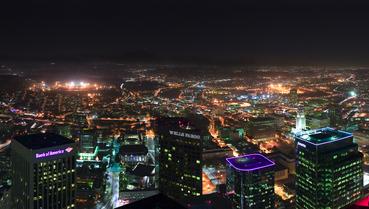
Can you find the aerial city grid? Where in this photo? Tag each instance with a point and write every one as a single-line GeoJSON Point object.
{"type": "Point", "coordinates": [209, 111]}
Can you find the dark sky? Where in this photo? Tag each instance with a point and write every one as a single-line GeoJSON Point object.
{"type": "Point", "coordinates": [250, 32]}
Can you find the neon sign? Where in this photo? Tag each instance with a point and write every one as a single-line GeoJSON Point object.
{"type": "Point", "coordinates": [53, 152]}
{"type": "Point", "coordinates": [69, 149]}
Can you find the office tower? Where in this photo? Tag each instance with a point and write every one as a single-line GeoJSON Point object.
{"type": "Point", "coordinates": [329, 171]}
{"type": "Point", "coordinates": [334, 113]}
{"type": "Point", "coordinates": [88, 149]}
{"type": "Point", "coordinates": [293, 97]}
{"type": "Point", "coordinates": [190, 163]}
{"type": "Point", "coordinates": [300, 119]}
{"type": "Point", "coordinates": [262, 128]}
{"type": "Point", "coordinates": [250, 181]}
{"type": "Point", "coordinates": [90, 183]}
{"type": "Point", "coordinates": [180, 158]}
{"type": "Point", "coordinates": [43, 168]}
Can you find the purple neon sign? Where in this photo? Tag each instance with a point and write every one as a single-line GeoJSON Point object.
{"type": "Point", "coordinates": [53, 153]}
{"type": "Point", "coordinates": [250, 162]}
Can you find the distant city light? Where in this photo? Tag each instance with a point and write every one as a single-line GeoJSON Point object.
{"type": "Point", "coordinates": [353, 93]}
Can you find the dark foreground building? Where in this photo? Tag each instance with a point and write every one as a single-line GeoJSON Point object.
{"type": "Point", "coordinates": [43, 168]}
{"type": "Point", "coordinates": [250, 182]}
{"type": "Point", "coordinates": [180, 159]}
{"type": "Point", "coordinates": [329, 171]}
{"type": "Point", "coordinates": [158, 201]}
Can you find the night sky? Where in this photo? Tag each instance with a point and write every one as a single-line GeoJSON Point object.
{"type": "Point", "coordinates": [236, 32]}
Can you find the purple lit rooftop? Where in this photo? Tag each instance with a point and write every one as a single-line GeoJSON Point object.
{"type": "Point", "coordinates": [250, 162]}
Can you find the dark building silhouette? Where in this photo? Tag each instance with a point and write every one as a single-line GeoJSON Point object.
{"type": "Point", "coordinates": [181, 146]}
{"type": "Point", "coordinates": [158, 201]}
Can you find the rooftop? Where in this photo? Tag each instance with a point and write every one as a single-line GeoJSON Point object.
{"type": "Point", "coordinates": [323, 136]}
{"type": "Point", "coordinates": [143, 170]}
{"type": "Point", "coordinates": [134, 149]}
{"type": "Point", "coordinates": [41, 141]}
{"type": "Point", "coordinates": [250, 162]}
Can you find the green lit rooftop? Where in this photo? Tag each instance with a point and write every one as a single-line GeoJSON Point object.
{"type": "Point", "coordinates": [323, 136]}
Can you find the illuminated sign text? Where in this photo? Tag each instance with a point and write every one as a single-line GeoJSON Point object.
{"type": "Point", "coordinates": [192, 136]}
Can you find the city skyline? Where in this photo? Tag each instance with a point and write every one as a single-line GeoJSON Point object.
{"type": "Point", "coordinates": [184, 104]}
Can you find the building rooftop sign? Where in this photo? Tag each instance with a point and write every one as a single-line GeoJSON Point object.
{"type": "Point", "coordinates": [53, 153]}
{"type": "Point", "coordinates": [182, 134]}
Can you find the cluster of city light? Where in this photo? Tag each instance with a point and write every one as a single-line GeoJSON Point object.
{"type": "Point", "coordinates": [208, 186]}
{"type": "Point", "coordinates": [281, 192]}
{"type": "Point", "coordinates": [353, 94]}
{"type": "Point", "coordinates": [267, 146]}
{"type": "Point", "coordinates": [150, 134]}
{"type": "Point", "coordinates": [79, 85]}
{"type": "Point", "coordinates": [278, 88]}
{"type": "Point", "coordinates": [70, 85]}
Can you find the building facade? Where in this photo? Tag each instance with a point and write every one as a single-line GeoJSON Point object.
{"type": "Point", "coordinates": [180, 159]}
{"type": "Point", "coordinates": [329, 171]}
{"type": "Point", "coordinates": [300, 119]}
{"type": "Point", "coordinates": [43, 168]}
{"type": "Point", "coordinates": [262, 128]}
{"type": "Point", "coordinates": [250, 181]}
{"type": "Point", "coordinates": [191, 164]}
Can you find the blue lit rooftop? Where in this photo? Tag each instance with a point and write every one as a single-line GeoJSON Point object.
{"type": "Point", "coordinates": [323, 136]}
{"type": "Point", "coordinates": [250, 162]}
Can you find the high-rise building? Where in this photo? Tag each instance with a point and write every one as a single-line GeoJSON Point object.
{"type": "Point", "coordinates": [87, 147]}
{"type": "Point", "coordinates": [250, 181]}
{"type": "Point", "coordinates": [293, 97]}
{"type": "Point", "coordinates": [262, 128]}
{"type": "Point", "coordinates": [317, 120]}
{"type": "Point", "coordinates": [300, 119]}
{"type": "Point", "coordinates": [334, 113]}
{"type": "Point", "coordinates": [191, 165]}
{"type": "Point", "coordinates": [90, 183]}
{"type": "Point", "coordinates": [43, 168]}
{"type": "Point", "coordinates": [329, 171]}
{"type": "Point", "coordinates": [180, 174]}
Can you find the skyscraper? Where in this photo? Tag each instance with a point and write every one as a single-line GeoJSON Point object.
{"type": "Point", "coordinates": [191, 165]}
{"type": "Point", "coordinates": [334, 113]}
{"type": "Point", "coordinates": [300, 119]}
{"type": "Point", "coordinates": [262, 128]}
{"type": "Point", "coordinates": [250, 181]}
{"type": "Point", "coordinates": [329, 171]}
{"type": "Point", "coordinates": [180, 174]}
{"type": "Point", "coordinates": [43, 168]}
{"type": "Point", "coordinates": [293, 97]}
